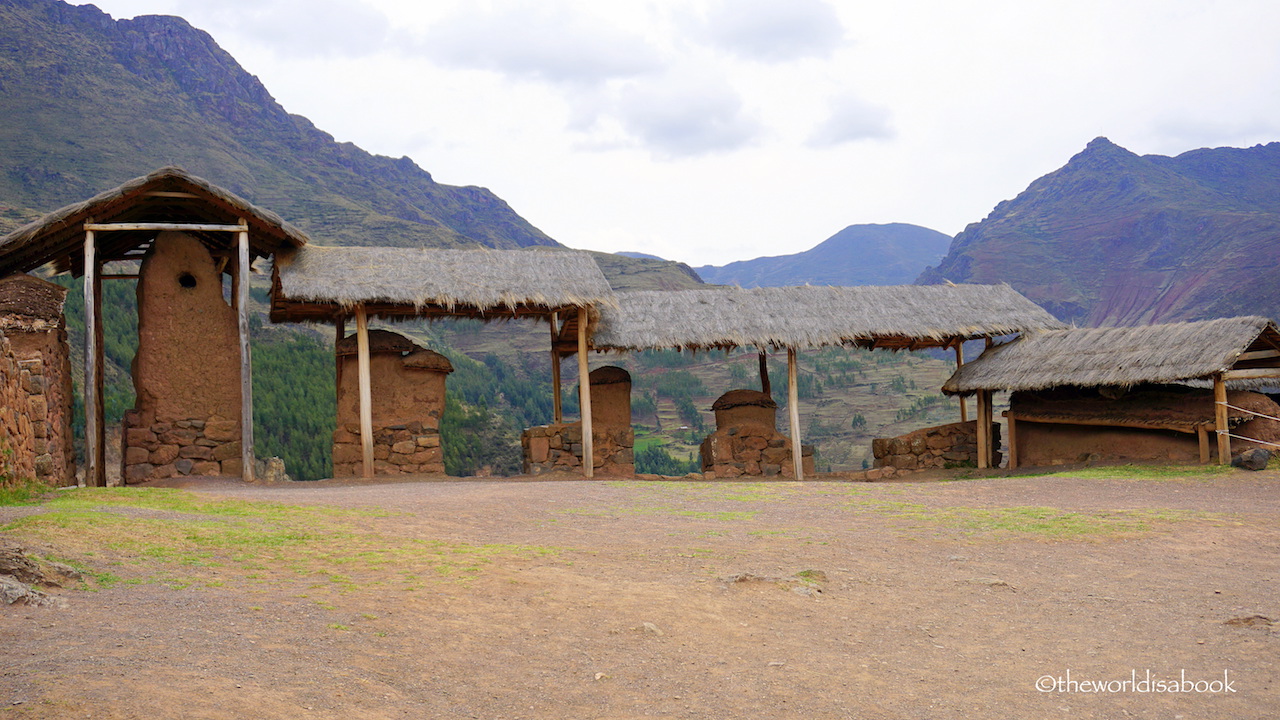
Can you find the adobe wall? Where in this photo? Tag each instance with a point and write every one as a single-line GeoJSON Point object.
{"type": "Point", "coordinates": [955, 444]}
{"type": "Point", "coordinates": [186, 417]}
{"type": "Point", "coordinates": [746, 440]}
{"type": "Point", "coordinates": [1055, 444]}
{"type": "Point", "coordinates": [407, 403]}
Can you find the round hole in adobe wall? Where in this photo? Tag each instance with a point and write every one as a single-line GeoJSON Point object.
{"type": "Point", "coordinates": [187, 280]}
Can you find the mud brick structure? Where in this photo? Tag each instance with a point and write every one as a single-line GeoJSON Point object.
{"type": "Point", "coordinates": [35, 402]}
{"type": "Point", "coordinates": [186, 416]}
{"type": "Point", "coordinates": [953, 445]}
{"type": "Point", "coordinates": [408, 393]}
{"type": "Point", "coordinates": [548, 448]}
{"type": "Point", "coordinates": [746, 441]}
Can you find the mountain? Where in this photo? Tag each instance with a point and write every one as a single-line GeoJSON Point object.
{"type": "Point", "coordinates": [1114, 238]}
{"type": "Point", "coordinates": [892, 254]}
{"type": "Point", "coordinates": [87, 102]}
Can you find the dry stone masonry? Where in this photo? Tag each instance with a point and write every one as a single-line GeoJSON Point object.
{"type": "Point", "coordinates": [548, 448]}
{"type": "Point", "coordinates": [408, 393]}
{"type": "Point", "coordinates": [746, 440]}
{"type": "Point", "coordinates": [35, 383]}
{"type": "Point", "coordinates": [953, 445]}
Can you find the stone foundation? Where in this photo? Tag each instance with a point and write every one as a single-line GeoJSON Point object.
{"type": "Point", "coordinates": [397, 450]}
{"type": "Point", "coordinates": [18, 456]}
{"type": "Point", "coordinates": [751, 449]}
{"type": "Point", "coordinates": [548, 448]}
{"type": "Point", "coordinates": [954, 445]}
{"type": "Point", "coordinates": [155, 450]}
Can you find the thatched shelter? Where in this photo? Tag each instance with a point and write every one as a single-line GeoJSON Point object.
{"type": "Point", "coordinates": [1133, 363]}
{"type": "Point", "coordinates": [123, 224]}
{"type": "Point", "coordinates": [564, 288]}
{"type": "Point", "coordinates": [909, 317]}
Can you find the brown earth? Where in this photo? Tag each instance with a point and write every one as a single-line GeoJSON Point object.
{"type": "Point", "coordinates": [696, 600]}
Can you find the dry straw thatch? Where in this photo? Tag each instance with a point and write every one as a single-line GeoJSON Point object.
{"type": "Point", "coordinates": [413, 279]}
{"type": "Point", "coordinates": [1123, 357]}
{"type": "Point", "coordinates": [903, 316]}
{"type": "Point", "coordinates": [160, 196]}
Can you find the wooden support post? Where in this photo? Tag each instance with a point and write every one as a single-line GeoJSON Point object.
{"type": "Point", "coordinates": [764, 373]}
{"type": "Point", "coordinates": [964, 409]}
{"type": "Point", "coordinates": [1220, 419]}
{"type": "Point", "coordinates": [793, 410]}
{"type": "Point", "coordinates": [557, 404]}
{"type": "Point", "coordinates": [366, 391]}
{"type": "Point", "coordinates": [95, 474]}
{"type": "Point", "coordinates": [584, 397]}
{"type": "Point", "coordinates": [1013, 441]}
{"type": "Point", "coordinates": [1203, 436]}
{"type": "Point", "coordinates": [984, 429]}
{"type": "Point", "coordinates": [246, 358]}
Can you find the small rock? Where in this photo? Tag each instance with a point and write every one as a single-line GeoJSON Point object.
{"type": "Point", "coordinates": [651, 628]}
{"type": "Point", "coordinates": [1255, 459]}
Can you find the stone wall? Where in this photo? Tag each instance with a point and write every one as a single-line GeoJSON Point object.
{"type": "Point", "coordinates": [753, 449]}
{"type": "Point", "coordinates": [950, 445]}
{"type": "Point", "coordinates": [155, 449]}
{"type": "Point", "coordinates": [186, 416]}
{"type": "Point", "coordinates": [407, 387]}
{"type": "Point", "coordinates": [397, 450]}
{"type": "Point", "coordinates": [548, 448]}
{"type": "Point", "coordinates": [17, 436]}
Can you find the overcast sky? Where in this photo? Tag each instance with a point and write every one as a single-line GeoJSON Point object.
{"type": "Point", "coordinates": [709, 131]}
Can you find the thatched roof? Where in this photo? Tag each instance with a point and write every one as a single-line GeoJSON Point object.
{"type": "Point", "coordinates": [380, 342]}
{"type": "Point", "coordinates": [169, 194]}
{"type": "Point", "coordinates": [30, 304]}
{"type": "Point", "coordinates": [1124, 357]}
{"type": "Point", "coordinates": [899, 317]}
{"type": "Point", "coordinates": [320, 283]}
{"type": "Point", "coordinates": [424, 359]}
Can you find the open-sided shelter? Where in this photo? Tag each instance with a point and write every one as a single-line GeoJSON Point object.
{"type": "Point", "coordinates": [1235, 352]}
{"type": "Point", "coordinates": [332, 284]}
{"type": "Point", "coordinates": [123, 224]}
{"type": "Point", "coordinates": [908, 317]}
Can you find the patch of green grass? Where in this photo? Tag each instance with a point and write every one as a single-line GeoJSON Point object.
{"type": "Point", "coordinates": [25, 492]}
{"type": "Point", "coordinates": [1046, 522]}
{"type": "Point", "coordinates": [1141, 472]}
{"type": "Point", "coordinates": [153, 532]}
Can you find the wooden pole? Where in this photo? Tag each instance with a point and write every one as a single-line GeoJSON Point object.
{"type": "Point", "coordinates": [984, 428]}
{"type": "Point", "coordinates": [1220, 419]}
{"type": "Point", "coordinates": [1013, 441]}
{"type": "Point", "coordinates": [95, 467]}
{"type": "Point", "coordinates": [1203, 436]}
{"type": "Point", "coordinates": [964, 408]}
{"type": "Point", "coordinates": [793, 410]}
{"type": "Point", "coordinates": [584, 397]}
{"type": "Point", "coordinates": [764, 374]}
{"type": "Point", "coordinates": [246, 358]}
{"type": "Point", "coordinates": [557, 405]}
{"type": "Point", "coordinates": [366, 390]}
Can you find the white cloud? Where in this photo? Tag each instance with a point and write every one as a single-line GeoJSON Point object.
{"type": "Point", "coordinates": [685, 114]}
{"type": "Point", "coordinates": [852, 119]}
{"type": "Point", "coordinates": [540, 40]}
{"type": "Point", "coordinates": [771, 30]}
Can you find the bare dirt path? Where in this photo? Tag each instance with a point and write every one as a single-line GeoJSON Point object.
{"type": "Point", "coordinates": [597, 599]}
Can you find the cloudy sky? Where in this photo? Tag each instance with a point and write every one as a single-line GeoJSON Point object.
{"type": "Point", "coordinates": [709, 131]}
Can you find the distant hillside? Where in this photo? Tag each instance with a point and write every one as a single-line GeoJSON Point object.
{"type": "Point", "coordinates": [1113, 238]}
{"type": "Point", "coordinates": [633, 272]}
{"type": "Point", "coordinates": [87, 102]}
{"type": "Point", "coordinates": [892, 254]}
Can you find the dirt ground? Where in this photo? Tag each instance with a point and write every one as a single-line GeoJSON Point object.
{"type": "Point", "coordinates": [606, 599]}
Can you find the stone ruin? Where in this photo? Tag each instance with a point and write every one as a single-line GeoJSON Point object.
{"type": "Point", "coordinates": [952, 445]}
{"type": "Point", "coordinates": [186, 374]}
{"type": "Point", "coordinates": [36, 441]}
{"type": "Point", "coordinates": [746, 440]}
{"type": "Point", "coordinates": [408, 392]}
{"type": "Point", "coordinates": [548, 448]}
